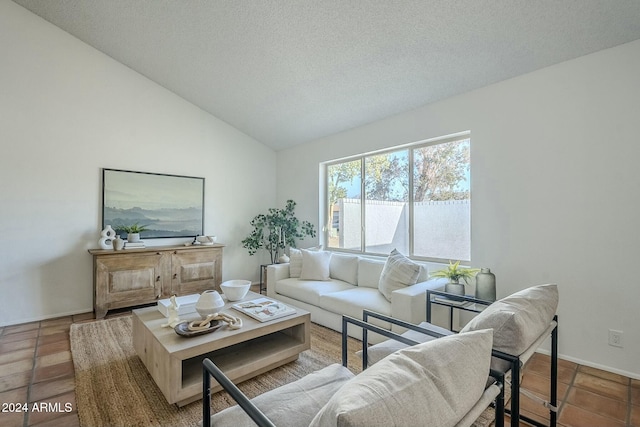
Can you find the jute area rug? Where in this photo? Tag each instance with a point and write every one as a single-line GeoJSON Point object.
{"type": "Point", "coordinates": [113, 387]}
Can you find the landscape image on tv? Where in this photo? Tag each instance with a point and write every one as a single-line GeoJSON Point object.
{"type": "Point", "coordinates": [167, 205]}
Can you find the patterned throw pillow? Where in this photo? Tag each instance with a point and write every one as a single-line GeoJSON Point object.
{"type": "Point", "coordinates": [398, 272]}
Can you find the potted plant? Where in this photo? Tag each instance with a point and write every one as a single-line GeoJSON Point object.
{"type": "Point", "coordinates": [276, 230]}
{"type": "Point", "coordinates": [133, 231]}
{"type": "Point", "coordinates": [454, 273]}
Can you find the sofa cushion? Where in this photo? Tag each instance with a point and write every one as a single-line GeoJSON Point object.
{"type": "Point", "coordinates": [352, 301]}
{"type": "Point", "coordinates": [295, 403]}
{"type": "Point", "coordinates": [344, 267]}
{"type": "Point", "coordinates": [435, 383]}
{"type": "Point", "coordinates": [295, 260]}
{"type": "Point", "coordinates": [398, 272]}
{"type": "Point", "coordinates": [369, 272]}
{"type": "Point", "coordinates": [377, 352]}
{"type": "Point", "coordinates": [309, 291]}
{"type": "Point", "coordinates": [315, 265]}
{"type": "Point", "coordinates": [519, 319]}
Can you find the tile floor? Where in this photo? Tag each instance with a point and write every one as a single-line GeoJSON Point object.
{"type": "Point", "coordinates": [36, 368]}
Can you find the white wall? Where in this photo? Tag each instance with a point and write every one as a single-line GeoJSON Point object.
{"type": "Point", "coordinates": [66, 111]}
{"type": "Point", "coordinates": [555, 178]}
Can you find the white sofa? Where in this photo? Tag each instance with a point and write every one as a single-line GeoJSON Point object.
{"type": "Point", "coordinates": [352, 285]}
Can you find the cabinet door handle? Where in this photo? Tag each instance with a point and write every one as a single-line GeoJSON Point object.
{"type": "Point", "coordinates": [175, 276]}
{"type": "Point", "coordinates": [158, 279]}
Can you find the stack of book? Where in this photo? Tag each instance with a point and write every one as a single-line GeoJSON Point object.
{"type": "Point", "coordinates": [134, 245]}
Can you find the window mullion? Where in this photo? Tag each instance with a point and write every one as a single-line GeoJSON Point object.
{"type": "Point", "coordinates": [410, 200]}
{"type": "Point", "coordinates": [363, 198]}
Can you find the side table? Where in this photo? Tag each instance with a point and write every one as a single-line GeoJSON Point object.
{"type": "Point", "coordinates": [454, 302]}
{"type": "Point", "coordinates": [263, 277]}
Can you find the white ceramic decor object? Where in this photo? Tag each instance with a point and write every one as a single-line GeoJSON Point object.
{"type": "Point", "coordinates": [107, 236]}
{"type": "Point", "coordinates": [235, 290]}
{"type": "Point", "coordinates": [210, 302]}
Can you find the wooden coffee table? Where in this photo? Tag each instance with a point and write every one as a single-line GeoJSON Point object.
{"type": "Point", "coordinates": [175, 362]}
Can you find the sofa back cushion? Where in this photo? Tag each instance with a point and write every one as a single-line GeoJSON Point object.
{"type": "Point", "coordinates": [519, 319]}
{"type": "Point", "coordinates": [344, 267]}
{"type": "Point", "coordinates": [435, 383]}
{"type": "Point", "coordinates": [369, 272]}
{"type": "Point", "coordinates": [398, 272]}
{"type": "Point", "coordinates": [315, 265]}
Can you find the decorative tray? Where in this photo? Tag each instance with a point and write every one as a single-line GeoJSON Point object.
{"type": "Point", "coordinates": [182, 329]}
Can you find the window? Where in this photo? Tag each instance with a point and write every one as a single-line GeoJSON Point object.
{"type": "Point", "coordinates": [415, 199]}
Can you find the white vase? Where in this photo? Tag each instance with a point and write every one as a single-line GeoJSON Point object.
{"type": "Point", "coordinates": [107, 236]}
{"type": "Point", "coordinates": [209, 302]}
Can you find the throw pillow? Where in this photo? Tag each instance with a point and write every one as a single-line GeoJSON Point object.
{"type": "Point", "coordinates": [435, 383]}
{"type": "Point", "coordinates": [519, 319]}
{"type": "Point", "coordinates": [315, 265]}
{"type": "Point", "coordinates": [295, 260]}
{"type": "Point", "coordinates": [344, 267]}
{"type": "Point", "coordinates": [398, 272]}
{"type": "Point", "coordinates": [379, 351]}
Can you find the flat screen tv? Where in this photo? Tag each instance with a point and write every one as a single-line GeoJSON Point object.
{"type": "Point", "coordinates": [166, 205]}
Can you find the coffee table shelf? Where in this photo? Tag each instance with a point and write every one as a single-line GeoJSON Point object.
{"type": "Point", "coordinates": [233, 360]}
{"type": "Point", "coordinates": [175, 362]}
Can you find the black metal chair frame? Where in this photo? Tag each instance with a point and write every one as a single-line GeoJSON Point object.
{"type": "Point", "coordinates": [514, 412]}
{"type": "Point", "coordinates": [514, 361]}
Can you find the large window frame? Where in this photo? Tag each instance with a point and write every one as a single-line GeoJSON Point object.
{"type": "Point", "coordinates": [328, 218]}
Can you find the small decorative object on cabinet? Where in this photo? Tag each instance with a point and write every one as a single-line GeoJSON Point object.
{"type": "Point", "coordinates": [128, 278]}
{"type": "Point", "coordinates": [486, 285]}
{"type": "Point", "coordinates": [210, 302]}
{"type": "Point", "coordinates": [133, 231]}
{"type": "Point", "coordinates": [118, 243]}
{"type": "Point", "coordinates": [454, 273]}
{"type": "Point", "coordinates": [106, 238]}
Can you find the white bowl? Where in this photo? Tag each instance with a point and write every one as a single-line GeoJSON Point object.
{"type": "Point", "coordinates": [235, 290]}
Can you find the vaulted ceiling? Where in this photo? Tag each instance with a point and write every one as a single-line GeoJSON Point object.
{"type": "Point", "coordinates": [290, 71]}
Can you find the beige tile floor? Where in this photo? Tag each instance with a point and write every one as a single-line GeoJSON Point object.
{"type": "Point", "coordinates": [36, 367]}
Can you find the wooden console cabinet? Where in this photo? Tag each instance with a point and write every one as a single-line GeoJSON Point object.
{"type": "Point", "coordinates": [139, 276]}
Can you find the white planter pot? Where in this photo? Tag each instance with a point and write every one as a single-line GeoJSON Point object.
{"type": "Point", "coordinates": [133, 237]}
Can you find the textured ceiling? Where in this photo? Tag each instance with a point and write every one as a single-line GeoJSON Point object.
{"type": "Point", "coordinates": [286, 72]}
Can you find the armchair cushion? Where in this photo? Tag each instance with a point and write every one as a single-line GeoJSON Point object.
{"type": "Point", "coordinates": [293, 404]}
{"type": "Point", "coordinates": [519, 319]}
{"type": "Point", "coordinates": [377, 352]}
{"type": "Point", "coordinates": [398, 272]}
{"type": "Point", "coordinates": [435, 383]}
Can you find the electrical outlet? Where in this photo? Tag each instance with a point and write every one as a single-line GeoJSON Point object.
{"type": "Point", "coordinates": [615, 338]}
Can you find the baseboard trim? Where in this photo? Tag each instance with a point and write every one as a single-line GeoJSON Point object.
{"type": "Point", "coordinates": [47, 317]}
{"type": "Point", "coordinates": [634, 375]}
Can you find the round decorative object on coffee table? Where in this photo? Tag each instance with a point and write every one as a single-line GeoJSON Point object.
{"type": "Point", "coordinates": [210, 302]}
